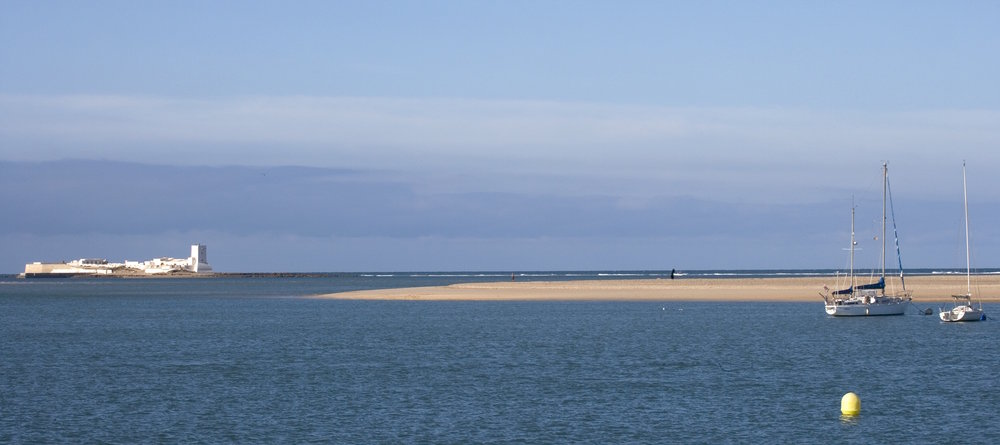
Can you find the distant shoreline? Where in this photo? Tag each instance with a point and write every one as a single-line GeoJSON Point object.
{"type": "Point", "coordinates": [176, 275]}
{"type": "Point", "coordinates": [937, 288]}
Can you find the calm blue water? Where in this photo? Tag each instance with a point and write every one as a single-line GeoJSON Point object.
{"type": "Point", "coordinates": [247, 360]}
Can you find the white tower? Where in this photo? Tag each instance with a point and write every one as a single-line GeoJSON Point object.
{"type": "Point", "coordinates": [199, 258]}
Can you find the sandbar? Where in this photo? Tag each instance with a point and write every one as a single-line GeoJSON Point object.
{"type": "Point", "coordinates": [923, 288]}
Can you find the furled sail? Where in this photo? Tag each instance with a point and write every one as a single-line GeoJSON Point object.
{"type": "Point", "coordinates": [879, 285]}
{"type": "Point", "coordinates": [847, 291]}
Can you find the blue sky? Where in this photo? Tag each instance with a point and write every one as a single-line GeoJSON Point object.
{"type": "Point", "coordinates": [349, 136]}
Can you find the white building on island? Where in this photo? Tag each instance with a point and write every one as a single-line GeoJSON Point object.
{"type": "Point", "coordinates": [199, 258]}
{"type": "Point", "coordinates": [197, 263]}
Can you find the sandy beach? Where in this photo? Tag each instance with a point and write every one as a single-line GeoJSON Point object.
{"type": "Point", "coordinates": [923, 288]}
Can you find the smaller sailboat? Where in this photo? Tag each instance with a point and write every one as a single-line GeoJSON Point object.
{"type": "Point", "coordinates": [963, 310]}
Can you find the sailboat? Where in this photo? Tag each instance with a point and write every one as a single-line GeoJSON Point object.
{"type": "Point", "coordinates": [963, 310]}
{"type": "Point", "coordinates": [868, 299]}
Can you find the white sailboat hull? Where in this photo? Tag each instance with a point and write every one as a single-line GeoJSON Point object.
{"type": "Point", "coordinates": [882, 306]}
{"type": "Point", "coordinates": [962, 313]}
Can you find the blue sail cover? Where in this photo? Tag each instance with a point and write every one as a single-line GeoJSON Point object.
{"type": "Point", "coordinates": [879, 285]}
{"type": "Point", "coordinates": [895, 233]}
{"type": "Point", "coordinates": [847, 291]}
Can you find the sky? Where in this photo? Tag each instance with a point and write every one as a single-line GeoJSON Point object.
{"type": "Point", "coordinates": [503, 136]}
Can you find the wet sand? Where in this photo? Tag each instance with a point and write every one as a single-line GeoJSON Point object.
{"type": "Point", "coordinates": [937, 288]}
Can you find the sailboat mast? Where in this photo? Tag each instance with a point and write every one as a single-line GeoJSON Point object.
{"type": "Point", "coordinates": [968, 267]}
{"type": "Point", "coordinates": [852, 244]}
{"type": "Point", "coordinates": [885, 185]}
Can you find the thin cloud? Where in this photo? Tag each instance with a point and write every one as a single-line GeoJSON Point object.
{"type": "Point", "coordinates": [721, 152]}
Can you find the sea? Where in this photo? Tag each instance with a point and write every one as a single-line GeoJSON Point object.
{"type": "Point", "coordinates": [253, 359]}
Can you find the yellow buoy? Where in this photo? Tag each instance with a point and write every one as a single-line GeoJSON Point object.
{"type": "Point", "coordinates": [850, 404]}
